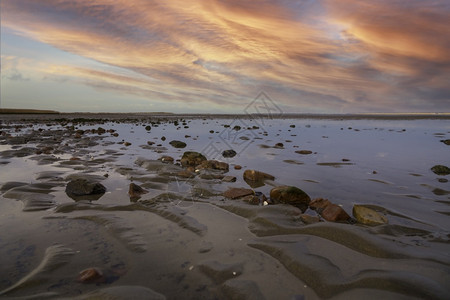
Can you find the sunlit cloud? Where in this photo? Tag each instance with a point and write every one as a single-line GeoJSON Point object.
{"type": "Point", "coordinates": [310, 56]}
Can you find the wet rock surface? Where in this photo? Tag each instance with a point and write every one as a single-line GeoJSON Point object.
{"type": "Point", "coordinates": [290, 195]}
{"type": "Point", "coordinates": [82, 188]}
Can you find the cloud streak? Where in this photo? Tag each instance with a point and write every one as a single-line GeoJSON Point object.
{"type": "Point", "coordinates": [313, 56]}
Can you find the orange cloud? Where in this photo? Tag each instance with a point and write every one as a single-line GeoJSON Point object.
{"type": "Point", "coordinates": [323, 55]}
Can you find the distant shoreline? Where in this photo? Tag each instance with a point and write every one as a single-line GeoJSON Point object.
{"type": "Point", "coordinates": [13, 114]}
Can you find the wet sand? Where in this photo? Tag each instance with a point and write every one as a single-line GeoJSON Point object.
{"type": "Point", "coordinates": [185, 239]}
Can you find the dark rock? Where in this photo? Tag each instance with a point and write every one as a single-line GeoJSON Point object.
{"type": "Point", "coordinates": [368, 216]}
{"type": "Point", "coordinates": [229, 179]}
{"type": "Point", "coordinates": [79, 188]}
{"type": "Point", "coordinates": [279, 146]}
{"type": "Point", "coordinates": [304, 152]}
{"type": "Point", "coordinates": [234, 193]}
{"type": "Point", "coordinates": [441, 170]}
{"type": "Point", "coordinates": [177, 144]}
{"type": "Point", "coordinates": [163, 138]}
{"type": "Point", "coordinates": [443, 180]}
{"type": "Point", "coordinates": [290, 195]}
{"type": "Point", "coordinates": [229, 153]}
{"type": "Point", "coordinates": [214, 164]}
{"type": "Point", "coordinates": [191, 158]}
{"type": "Point", "coordinates": [447, 142]}
{"type": "Point", "coordinates": [237, 167]}
{"type": "Point", "coordinates": [135, 191]}
{"type": "Point", "coordinates": [148, 127]}
{"type": "Point", "coordinates": [292, 126]}
{"type": "Point", "coordinates": [127, 144]}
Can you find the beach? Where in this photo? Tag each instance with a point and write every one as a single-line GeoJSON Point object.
{"type": "Point", "coordinates": [161, 205]}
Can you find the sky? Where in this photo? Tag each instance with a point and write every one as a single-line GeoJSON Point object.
{"type": "Point", "coordinates": [220, 56]}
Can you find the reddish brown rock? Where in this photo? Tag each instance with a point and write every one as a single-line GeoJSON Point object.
{"type": "Point", "coordinates": [237, 167]}
{"type": "Point", "coordinates": [319, 204]}
{"type": "Point", "coordinates": [234, 193]}
{"type": "Point", "coordinates": [330, 211]}
{"type": "Point", "coordinates": [186, 174]}
{"type": "Point", "coordinates": [91, 275]}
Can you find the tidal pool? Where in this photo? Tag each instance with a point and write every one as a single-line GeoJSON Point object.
{"type": "Point", "coordinates": [184, 239]}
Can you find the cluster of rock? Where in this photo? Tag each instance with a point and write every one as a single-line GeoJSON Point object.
{"type": "Point", "coordinates": [292, 195]}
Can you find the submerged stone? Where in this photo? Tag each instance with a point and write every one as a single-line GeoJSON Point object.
{"type": "Point", "coordinates": [135, 191]}
{"type": "Point", "coordinates": [440, 170]}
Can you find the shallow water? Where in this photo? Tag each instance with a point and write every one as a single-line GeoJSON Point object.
{"type": "Point", "coordinates": [185, 240]}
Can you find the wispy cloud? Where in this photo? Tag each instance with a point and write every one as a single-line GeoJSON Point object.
{"type": "Point", "coordinates": [333, 56]}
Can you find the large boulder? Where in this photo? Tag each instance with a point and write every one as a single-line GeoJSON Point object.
{"type": "Point", "coordinates": [192, 158]}
{"type": "Point", "coordinates": [82, 188]}
{"type": "Point", "coordinates": [290, 195]}
{"type": "Point", "coordinates": [368, 216]}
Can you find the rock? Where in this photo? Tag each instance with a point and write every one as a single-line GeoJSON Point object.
{"type": "Point", "coordinates": [91, 275]}
{"type": "Point", "coordinates": [279, 146]}
{"type": "Point", "coordinates": [229, 179]}
{"type": "Point", "coordinates": [237, 167]}
{"type": "Point", "coordinates": [191, 158]}
{"type": "Point", "coordinates": [229, 153]}
{"type": "Point", "coordinates": [290, 195]}
{"type": "Point", "coordinates": [177, 144]}
{"type": "Point", "coordinates": [335, 213]}
{"type": "Point", "coordinates": [214, 164]}
{"type": "Point", "coordinates": [330, 211]}
{"type": "Point", "coordinates": [148, 127]}
{"type": "Point", "coordinates": [150, 143]}
{"type": "Point", "coordinates": [186, 174]}
{"type": "Point", "coordinates": [166, 159]}
{"type": "Point", "coordinates": [163, 138]}
{"type": "Point", "coordinates": [447, 142]}
{"type": "Point", "coordinates": [292, 126]}
{"type": "Point", "coordinates": [82, 187]}
{"type": "Point", "coordinates": [304, 152]}
{"type": "Point", "coordinates": [368, 216]}
{"type": "Point", "coordinates": [253, 175]}
{"type": "Point", "coordinates": [443, 180]}
{"type": "Point", "coordinates": [127, 144]}
{"type": "Point", "coordinates": [251, 199]}
{"type": "Point", "coordinates": [440, 170]}
{"type": "Point", "coordinates": [234, 193]}
{"type": "Point", "coordinates": [319, 204]}
{"type": "Point", "coordinates": [307, 219]}
{"type": "Point", "coordinates": [135, 191]}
